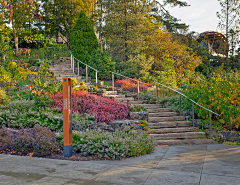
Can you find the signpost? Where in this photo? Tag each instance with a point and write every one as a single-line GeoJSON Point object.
{"type": "Point", "coordinates": [67, 117]}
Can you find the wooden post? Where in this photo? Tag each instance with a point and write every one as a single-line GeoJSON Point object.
{"type": "Point", "coordinates": [210, 125]}
{"type": "Point", "coordinates": [67, 117]}
{"type": "Point", "coordinates": [156, 91]}
{"type": "Point", "coordinates": [71, 60]}
{"type": "Point", "coordinates": [193, 122]}
{"type": "Point", "coordinates": [78, 68]}
{"type": "Point", "coordinates": [138, 91]}
{"type": "Point", "coordinates": [96, 78]}
{"type": "Point", "coordinates": [112, 82]}
{"type": "Point", "coordinates": [86, 74]}
{"type": "Point", "coordinates": [180, 104]}
{"type": "Point", "coordinates": [73, 64]}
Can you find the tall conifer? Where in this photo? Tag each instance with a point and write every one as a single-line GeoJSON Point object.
{"type": "Point", "coordinates": [83, 40]}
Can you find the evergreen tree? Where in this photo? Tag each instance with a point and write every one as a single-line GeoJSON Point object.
{"type": "Point", "coordinates": [83, 40]}
{"type": "Point", "coordinates": [103, 63]}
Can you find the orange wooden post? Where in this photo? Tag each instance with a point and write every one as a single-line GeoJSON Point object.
{"type": "Point", "coordinates": [67, 117]}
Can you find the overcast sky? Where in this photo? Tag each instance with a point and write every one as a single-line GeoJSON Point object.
{"type": "Point", "coordinates": [201, 15]}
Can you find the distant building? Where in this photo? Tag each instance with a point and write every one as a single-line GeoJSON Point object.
{"type": "Point", "coordinates": [216, 43]}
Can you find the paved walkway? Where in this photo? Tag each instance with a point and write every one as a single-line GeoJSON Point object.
{"type": "Point", "coordinates": [190, 164]}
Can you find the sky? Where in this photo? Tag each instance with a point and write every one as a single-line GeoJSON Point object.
{"type": "Point", "coordinates": [201, 15]}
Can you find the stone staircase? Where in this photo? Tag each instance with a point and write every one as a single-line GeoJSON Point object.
{"type": "Point", "coordinates": [63, 69]}
{"type": "Point", "coordinates": [166, 126]}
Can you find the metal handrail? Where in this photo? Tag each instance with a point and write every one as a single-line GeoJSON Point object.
{"type": "Point", "coordinates": [187, 97]}
{"type": "Point", "coordinates": [82, 62]}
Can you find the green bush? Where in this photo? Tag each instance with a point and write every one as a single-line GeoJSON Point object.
{"type": "Point", "coordinates": [103, 63]}
{"type": "Point", "coordinates": [23, 113]}
{"type": "Point", "coordinates": [115, 145]}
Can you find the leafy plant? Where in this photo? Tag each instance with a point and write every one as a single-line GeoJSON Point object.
{"type": "Point", "coordinates": [130, 85]}
{"type": "Point", "coordinates": [144, 125]}
{"type": "Point", "coordinates": [139, 108]}
{"type": "Point", "coordinates": [219, 93]}
{"type": "Point", "coordinates": [108, 145]}
{"type": "Point", "coordinates": [104, 109]}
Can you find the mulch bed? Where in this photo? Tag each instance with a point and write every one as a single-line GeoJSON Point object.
{"type": "Point", "coordinates": [57, 155]}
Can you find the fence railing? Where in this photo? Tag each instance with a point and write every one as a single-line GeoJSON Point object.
{"type": "Point", "coordinates": [157, 84]}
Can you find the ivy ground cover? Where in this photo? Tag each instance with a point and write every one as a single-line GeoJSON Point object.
{"type": "Point", "coordinates": [104, 109]}
{"type": "Point", "coordinates": [220, 93]}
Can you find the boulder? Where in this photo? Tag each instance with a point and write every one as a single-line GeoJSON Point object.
{"type": "Point", "coordinates": [143, 115]}
{"type": "Point", "coordinates": [226, 136]}
{"type": "Point", "coordinates": [34, 68]}
{"type": "Point", "coordinates": [23, 88]}
{"type": "Point", "coordinates": [31, 76]}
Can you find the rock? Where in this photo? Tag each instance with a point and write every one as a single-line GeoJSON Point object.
{"type": "Point", "coordinates": [23, 88]}
{"type": "Point", "coordinates": [131, 107]}
{"type": "Point", "coordinates": [34, 68]}
{"type": "Point", "coordinates": [143, 115]}
{"type": "Point", "coordinates": [225, 136]}
{"type": "Point", "coordinates": [197, 123]}
{"type": "Point", "coordinates": [101, 92]}
{"type": "Point", "coordinates": [126, 125]}
{"type": "Point", "coordinates": [118, 89]}
{"type": "Point", "coordinates": [31, 76]}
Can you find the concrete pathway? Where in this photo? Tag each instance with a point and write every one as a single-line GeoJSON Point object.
{"type": "Point", "coordinates": [181, 165]}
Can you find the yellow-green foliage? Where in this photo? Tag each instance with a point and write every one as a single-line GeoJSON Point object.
{"type": "Point", "coordinates": [4, 75]}
{"type": "Point", "coordinates": [74, 82]}
{"type": "Point", "coordinates": [219, 93]}
{"type": "Point", "coordinates": [3, 97]}
{"type": "Point", "coordinates": [144, 125]}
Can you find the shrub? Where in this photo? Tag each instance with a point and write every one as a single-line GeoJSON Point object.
{"type": "Point", "coordinates": [130, 85]}
{"type": "Point", "coordinates": [5, 138]}
{"type": "Point", "coordinates": [115, 145]}
{"type": "Point", "coordinates": [22, 113]}
{"type": "Point", "coordinates": [104, 109]}
{"type": "Point", "coordinates": [103, 63]}
{"type": "Point", "coordinates": [220, 93]}
{"type": "Point", "coordinates": [39, 140]}
{"type": "Point", "coordinates": [3, 97]}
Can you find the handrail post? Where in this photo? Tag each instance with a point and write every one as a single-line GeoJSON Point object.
{"type": "Point", "coordinates": [78, 68]}
{"type": "Point", "coordinates": [73, 64]}
{"type": "Point", "coordinates": [138, 90]}
{"type": "Point", "coordinates": [112, 82]}
{"type": "Point", "coordinates": [71, 60]}
{"type": "Point", "coordinates": [210, 125]}
{"type": "Point", "coordinates": [193, 122]}
{"type": "Point", "coordinates": [180, 103]}
{"type": "Point", "coordinates": [96, 77]}
{"type": "Point", "coordinates": [156, 91]}
{"type": "Point", "coordinates": [86, 74]}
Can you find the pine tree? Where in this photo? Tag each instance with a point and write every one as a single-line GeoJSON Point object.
{"type": "Point", "coordinates": [83, 40]}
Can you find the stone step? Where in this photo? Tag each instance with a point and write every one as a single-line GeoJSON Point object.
{"type": "Point", "coordinates": [157, 110]}
{"type": "Point", "coordinates": [172, 130]}
{"type": "Point", "coordinates": [111, 93]}
{"type": "Point", "coordinates": [115, 96]}
{"type": "Point", "coordinates": [136, 102]}
{"type": "Point", "coordinates": [185, 142]}
{"type": "Point", "coordinates": [79, 79]}
{"type": "Point", "coordinates": [186, 135]}
{"type": "Point", "coordinates": [165, 119]}
{"type": "Point", "coordinates": [151, 106]}
{"type": "Point", "coordinates": [170, 124]}
{"type": "Point", "coordinates": [124, 100]}
{"type": "Point", "coordinates": [163, 114]}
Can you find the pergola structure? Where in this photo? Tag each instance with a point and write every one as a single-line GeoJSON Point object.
{"type": "Point", "coordinates": [216, 43]}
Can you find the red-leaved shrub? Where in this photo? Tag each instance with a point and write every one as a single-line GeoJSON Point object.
{"type": "Point", "coordinates": [104, 109]}
{"type": "Point", "coordinates": [131, 85]}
